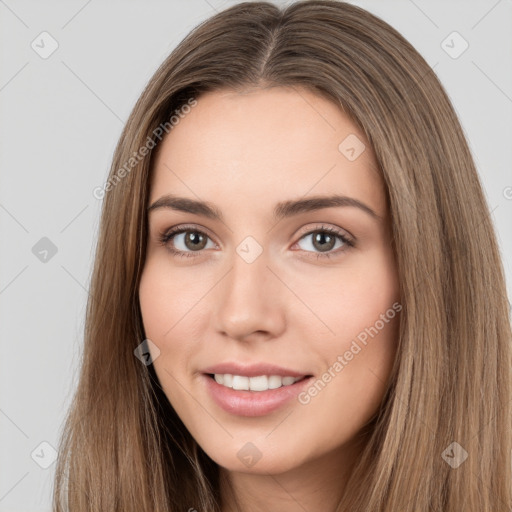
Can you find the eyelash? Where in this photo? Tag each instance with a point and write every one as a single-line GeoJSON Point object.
{"type": "Point", "coordinates": [165, 236]}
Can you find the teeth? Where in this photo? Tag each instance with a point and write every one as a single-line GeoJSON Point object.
{"type": "Point", "coordinates": [274, 382]}
{"type": "Point", "coordinates": [259, 383]}
{"type": "Point", "coordinates": [240, 382]}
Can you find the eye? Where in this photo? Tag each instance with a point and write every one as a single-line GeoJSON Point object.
{"type": "Point", "coordinates": [186, 240]}
{"type": "Point", "coordinates": [324, 240]}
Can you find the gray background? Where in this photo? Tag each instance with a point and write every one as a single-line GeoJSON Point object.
{"type": "Point", "coordinates": [60, 120]}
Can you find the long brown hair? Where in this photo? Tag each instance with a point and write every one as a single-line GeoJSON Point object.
{"type": "Point", "coordinates": [124, 448]}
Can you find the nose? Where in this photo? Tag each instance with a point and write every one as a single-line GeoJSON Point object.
{"type": "Point", "coordinates": [250, 301]}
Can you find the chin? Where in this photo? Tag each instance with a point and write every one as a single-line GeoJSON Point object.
{"type": "Point", "coordinates": [250, 460]}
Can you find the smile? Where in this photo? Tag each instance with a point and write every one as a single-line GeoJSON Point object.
{"type": "Point", "coordinates": [241, 395]}
{"type": "Point", "coordinates": [258, 383]}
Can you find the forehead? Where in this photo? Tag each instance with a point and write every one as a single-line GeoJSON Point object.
{"type": "Point", "coordinates": [261, 146]}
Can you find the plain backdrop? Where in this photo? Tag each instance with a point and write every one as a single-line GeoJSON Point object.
{"type": "Point", "coordinates": [61, 114]}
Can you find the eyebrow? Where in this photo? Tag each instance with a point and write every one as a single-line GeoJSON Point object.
{"type": "Point", "coordinates": [281, 210]}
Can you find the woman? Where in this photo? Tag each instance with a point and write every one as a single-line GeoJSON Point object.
{"type": "Point", "coordinates": [297, 300]}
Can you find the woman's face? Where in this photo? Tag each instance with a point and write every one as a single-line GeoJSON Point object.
{"type": "Point", "coordinates": [257, 287]}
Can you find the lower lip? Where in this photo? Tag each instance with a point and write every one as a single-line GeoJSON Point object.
{"type": "Point", "coordinates": [252, 403]}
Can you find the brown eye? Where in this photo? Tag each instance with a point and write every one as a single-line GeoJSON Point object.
{"type": "Point", "coordinates": [323, 241]}
{"type": "Point", "coordinates": [185, 241]}
{"type": "Point", "coordinates": [194, 240]}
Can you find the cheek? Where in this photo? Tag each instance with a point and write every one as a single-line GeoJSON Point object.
{"type": "Point", "coordinates": [351, 299]}
{"type": "Point", "coordinates": [361, 308]}
{"type": "Point", "coordinates": [164, 309]}
{"type": "Point", "coordinates": [357, 360]}
{"type": "Point", "coordinates": [349, 392]}
{"type": "Point", "coordinates": [175, 316]}
{"type": "Point", "coordinates": [169, 298]}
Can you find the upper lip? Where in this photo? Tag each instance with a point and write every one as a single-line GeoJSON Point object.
{"type": "Point", "coordinates": [252, 370]}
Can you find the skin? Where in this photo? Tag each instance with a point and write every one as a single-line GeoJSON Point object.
{"type": "Point", "coordinates": [245, 152]}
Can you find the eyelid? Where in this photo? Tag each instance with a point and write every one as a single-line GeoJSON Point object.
{"type": "Point", "coordinates": [320, 226]}
{"type": "Point", "coordinates": [180, 228]}
{"type": "Point", "coordinates": [302, 232]}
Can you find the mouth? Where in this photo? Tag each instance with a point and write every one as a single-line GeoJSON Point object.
{"type": "Point", "coordinates": [257, 395]}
